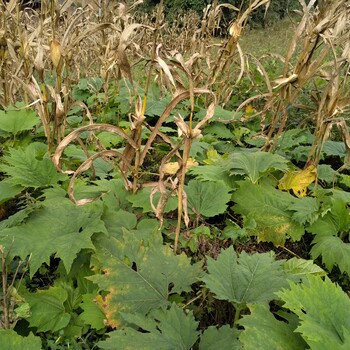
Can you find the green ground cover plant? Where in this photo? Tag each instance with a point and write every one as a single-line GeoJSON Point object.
{"type": "Point", "coordinates": [161, 188]}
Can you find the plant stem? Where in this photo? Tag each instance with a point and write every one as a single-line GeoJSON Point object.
{"type": "Point", "coordinates": [4, 290]}
{"type": "Point", "coordinates": [237, 314]}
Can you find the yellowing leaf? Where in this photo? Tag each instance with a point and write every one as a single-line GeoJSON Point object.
{"type": "Point", "coordinates": [298, 181]}
{"type": "Point", "coordinates": [249, 111]}
{"type": "Point", "coordinates": [172, 168]}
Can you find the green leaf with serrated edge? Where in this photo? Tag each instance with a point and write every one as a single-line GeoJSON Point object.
{"type": "Point", "coordinates": [92, 314]}
{"type": "Point", "coordinates": [10, 340]}
{"type": "Point", "coordinates": [344, 179]}
{"type": "Point", "coordinates": [333, 251]}
{"type": "Point", "coordinates": [135, 278]}
{"type": "Point", "coordinates": [299, 268]}
{"type": "Point", "coordinates": [207, 198]}
{"type": "Point", "coordinates": [326, 173]}
{"type": "Point", "coordinates": [269, 208]}
{"type": "Point", "coordinates": [116, 194]}
{"type": "Point", "coordinates": [8, 191]}
{"type": "Point", "coordinates": [255, 164]}
{"type": "Point", "coordinates": [334, 148]}
{"type": "Point", "coordinates": [59, 228]}
{"type": "Point", "coordinates": [24, 169]}
{"type": "Point", "coordinates": [142, 200]}
{"type": "Point", "coordinates": [219, 130]}
{"type": "Point", "coordinates": [335, 221]}
{"type": "Point", "coordinates": [214, 173]}
{"type": "Point", "coordinates": [305, 210]}
{"type": "Point", "coordinates": [245, 278]}
{"type": "Point", "coordinates": [15, 121]}
{"type": "Point", "coordinates": [263, 331]}
{"type": "Point", "coordinates": [223, 338]}
{"type": "Point", "coordinates": [323, 310]}
{"type": "Point", "coordinates": [19, 217]}
{"type": "Point", "coordinates": [328, 196]}
{"type": "Point", "coordinates": [47, 310]}
{"type": "Point", "coordinates": [162, 330]}
{"type": "Point", "coordinates": [116, 220]}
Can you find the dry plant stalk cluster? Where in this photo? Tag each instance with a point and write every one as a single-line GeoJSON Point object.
{"type": "Point", "coordinates": [43, 53]}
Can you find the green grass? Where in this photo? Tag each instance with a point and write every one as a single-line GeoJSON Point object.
{"type": "Point", "coordinates": [272, 39]}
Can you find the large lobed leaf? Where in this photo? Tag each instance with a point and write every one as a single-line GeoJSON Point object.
{"type": "Point", "coordinates": [139, 275]}
{"type": "Point", "coordinates": [263, 331]}
{"type": "Point", "coordinates": [47, 310]}
{"type": "Point", "coordinates": [255, 164]}
{"type": "Point", "coordinates": [223, 338]}
{"type": "Point", "coordinates": [25, 169]}
{"type": "Point", "coordinates": [245, 278]}
{"type": "Point", "coordinates": [326, 242]}
{"type": "Point", "coordinates": [270, 209]}
{"type": "Point", "coordinates": [58, 227]}
{"type": "Point", "coordinates": [207, 198]}
{"type": "Point", "coordinates": [162, 329]}
{"type": "Point", "coordinates": [9, 339]}
{"type": "Point", "coordinates": [323, 310]}
{"type": "Point", "coordinates": [333, 251]}
{"type": "Point", "coordinates": [14, 121]}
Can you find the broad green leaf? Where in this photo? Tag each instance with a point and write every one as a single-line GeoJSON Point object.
{"type": "Point", "coordinates": [142, 200]}
{"type": "Point", "coordinates": [47, 310]}
{"type": "Point", "coordinates": [219, 113]}
{"type": "Point", "coordinates": [245, 278]}
{"type": "Point", "coordinates": [10, 340]}
{"type": "Point", "coordinates": [162, 330]}
{"type": "Point", "coordinates": [326, 173]}
{"type": "Point", "coordinates": [213, 173]}
{"type": "Point", "coordinates": [59, 228]}
{"type": "Point", "coordinates": [14, 121]}
{"type": "Point", "coordinates": [305, 210]}
{"type": "Point", "coordinates": [334, 148]}
{"type": "Point", "coordinates": [323, 310]}
{"type": "Point", "coordinates": [25, 169]}
{"type": "Point", "coordinates": [223, 338]}
{"type": "Point", "coordinates": [207, 198]}
{"type": "Point", "coordinates": [19, 217]}
{"type": "Point", "coordinates": [270, 209]}
{"type": "Point", "coordinates": [337, 220]}
{"type": "Point", "coordinates": [219, 130]}
{"type": "Point", "coordinates": [92, 314]}
{"type": "Point", "coordinates": [8, 191]}
{"type": "Point", "coordinates": [139, 275]}
{"type": "Point", "coordinates": [255, 164]}
{"type": "Point", "coordinates": [263, 331]}
{"type": "Point", "coordinates": [344, 179]}
{"type": "Point", "coordinates": [157, 106]}
{"type": "Point", "coordinates": [301, 267]}
{"type": "Point", "coordinates": [333, 251]}
{"type": "Point", "coordinates": [116, 220]}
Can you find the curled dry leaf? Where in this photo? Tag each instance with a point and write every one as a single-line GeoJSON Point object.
{"type": "Point", "coordinates": [86, 165]}
{"type": "Point", "coordinates": [75, 135]}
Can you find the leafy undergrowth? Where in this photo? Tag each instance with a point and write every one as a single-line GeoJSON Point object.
{"type": "Point", "coordinates": [175, 223]}
{"type": "Point", "coordinates": [105, 272]}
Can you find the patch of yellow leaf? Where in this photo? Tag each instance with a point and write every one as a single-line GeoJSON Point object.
{"type": "Point", "coordinates": [249, 111]}
{"type": "Point", "coordinates": [172, 168]}
{"type": "Point", "coordinates": [298, 181]}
